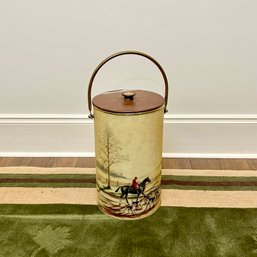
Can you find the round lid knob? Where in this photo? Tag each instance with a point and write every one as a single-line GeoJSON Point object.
{"type": "Point", "coordinates": [128, 95]}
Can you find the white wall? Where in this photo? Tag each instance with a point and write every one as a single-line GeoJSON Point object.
{"type": "Point", "coordinates": [48, 49]}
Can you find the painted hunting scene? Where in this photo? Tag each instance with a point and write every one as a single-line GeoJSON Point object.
{"type": "Point", "coordinates": [118, 194]}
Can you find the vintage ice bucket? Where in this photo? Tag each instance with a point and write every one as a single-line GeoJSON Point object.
{"type": "Point", "coordinates": [128, 145]}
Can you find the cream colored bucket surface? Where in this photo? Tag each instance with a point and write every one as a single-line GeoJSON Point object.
{"type": "Point", "coordinates": [128, 146]}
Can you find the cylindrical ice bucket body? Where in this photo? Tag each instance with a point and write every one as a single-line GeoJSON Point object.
{"type": "Point", "coordinates": [128, 147]}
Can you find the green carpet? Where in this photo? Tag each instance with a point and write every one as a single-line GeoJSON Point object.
{"type": "Point", "coordinates": [80, 231]}
{"type": "Point", "coordinates": [58, 230]}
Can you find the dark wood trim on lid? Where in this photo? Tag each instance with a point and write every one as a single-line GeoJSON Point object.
{"type": "Point", "coordinates": [115, 102]}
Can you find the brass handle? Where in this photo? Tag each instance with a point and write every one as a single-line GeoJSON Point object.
{"type": "Point", "coordinates": [126, 53]}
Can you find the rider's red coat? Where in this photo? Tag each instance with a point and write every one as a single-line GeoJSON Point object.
{"type": "Point", "coordinates": [135, 183]}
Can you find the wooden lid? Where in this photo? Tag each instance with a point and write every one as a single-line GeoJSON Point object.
{"type": "Point", "coordinates": [126, 101]}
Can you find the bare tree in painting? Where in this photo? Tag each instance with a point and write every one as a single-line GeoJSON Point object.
{"type": "Point", "coordinates": [110, 153]}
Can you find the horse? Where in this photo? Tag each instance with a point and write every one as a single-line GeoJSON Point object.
{"type": "Point", "coordinates": [125, 190]}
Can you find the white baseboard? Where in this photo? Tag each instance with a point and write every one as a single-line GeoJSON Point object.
{"type": "Point", "coordinates": [168, 118]}
{"type": "Point", "coordinates": [210, 155]}
{"type": "Point", "coordinates": [185, 136]}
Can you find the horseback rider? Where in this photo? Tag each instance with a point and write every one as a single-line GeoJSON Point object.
{"type": "Point", "coordinates": [135, 183]}
{"type": "Point", "coordinates": [135, 188]}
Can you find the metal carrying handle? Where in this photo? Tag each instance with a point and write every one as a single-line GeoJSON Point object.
{"type": "Point", "coordinates": [126, 53]}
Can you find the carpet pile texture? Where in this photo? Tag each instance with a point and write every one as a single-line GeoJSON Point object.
{"type": "Point", "coordinates": [53, 212]}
